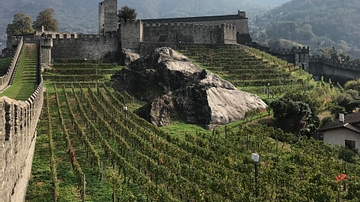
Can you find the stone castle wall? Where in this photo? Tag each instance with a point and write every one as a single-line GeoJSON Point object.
{"type": "Point", "coordinates": [131, 34]}
{"type": "Point", "coordinates": [144, 37]}
{"type": "Point", "coordinates": [189, 33]}
{"type": "Point", "coordinates": [318, 66]}
{"type": "Point", "coordinates": [4, 80]}
{"type": "Point", "coordinates": [108, 20]}
{"type": "Point", "coordinates": [18, 124]}
{"type": "Point", "coordinates": [85, 46]}
{"type": "Point", "coordinates": [337, 71]}
{"type": "Point", "coordinates": [239, 21]}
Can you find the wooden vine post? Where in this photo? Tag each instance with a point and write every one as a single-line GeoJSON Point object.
{"type": "Point", "coordinates": [83, 189]}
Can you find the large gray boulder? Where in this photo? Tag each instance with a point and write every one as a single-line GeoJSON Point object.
{"type": "Point", "coordinates": [175, 87]}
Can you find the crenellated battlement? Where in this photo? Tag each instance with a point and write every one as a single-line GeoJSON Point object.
{"type": "Point", "coordinates": [303, 49]}
{"type": "Point", "coordinates": [335, 63]}
{"type": "Point", "coordinates": [188, 24]}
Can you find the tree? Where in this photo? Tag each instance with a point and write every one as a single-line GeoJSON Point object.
{"type": "Point", "coordinates": [46, 19]}
{"type": "Point", "coordinates": [308, 97]}
{"type": "Point", "coordinates": [353, 84]}
{"type": "Point", "coordinates": [20, 25]}
{"type": "Point", "coordinates": [291, 116]}
{"type": "Point", "coordinates": [349, 100]}
{"type": "Point", "coordinates": [126, 13]}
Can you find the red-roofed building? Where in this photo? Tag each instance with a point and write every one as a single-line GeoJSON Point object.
{"type": "Point", "coordinates": [343, 132]}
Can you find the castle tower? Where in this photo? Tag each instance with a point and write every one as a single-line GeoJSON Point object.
{"type": "Point", "coordinates": [108, 21]}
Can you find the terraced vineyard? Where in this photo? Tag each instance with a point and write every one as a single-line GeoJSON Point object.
{"type": "Point", "coordinates": [89, 149]}
{"type": "Point", "coordinates": [247, 68]}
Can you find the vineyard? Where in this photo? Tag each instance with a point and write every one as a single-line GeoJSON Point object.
{"type": "Point", "coordinates": [90, 149]}
{"type": "Point", "coordinates": [248, 69]}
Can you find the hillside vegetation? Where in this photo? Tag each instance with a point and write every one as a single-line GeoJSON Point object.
{"type": "Point", "coordinates": [317, 23]}
{"type": "Point", "coordinates": [89, 147]}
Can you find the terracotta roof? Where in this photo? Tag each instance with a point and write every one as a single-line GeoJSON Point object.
{"type": "Point", "coordinates": [351, 122]}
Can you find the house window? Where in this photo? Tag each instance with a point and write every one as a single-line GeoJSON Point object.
{"type": "Point", "coordinates": [350, 144]}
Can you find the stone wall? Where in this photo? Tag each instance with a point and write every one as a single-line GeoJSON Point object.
{"type": "Point", "coordinates": [85, 46]}
{"type": "Point", "coordinates": [108, 20]}
{"type": "Point", "coordinates": [131, 34]}
{"type": "Point", "coordinates": [144, 37]}
{"type": "Point", "coordinates": [18, 125]}
{"type": "Point", "coordinates": [240, 21]}
{"type": "Point", "coordinates": [189, 33]}
{"type": "Point", "coordinates": [337, 71]}
{"type": "Point", "coordinates": [4, 80]}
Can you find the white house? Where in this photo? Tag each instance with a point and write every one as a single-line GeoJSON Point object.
{"type": "Point", "coordinates": [344, 131]}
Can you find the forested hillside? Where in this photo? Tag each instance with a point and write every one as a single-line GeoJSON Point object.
{"type": "Point", "coordinates": [270, 2]}
{"type": "Point", "coordinates": [317, 23]}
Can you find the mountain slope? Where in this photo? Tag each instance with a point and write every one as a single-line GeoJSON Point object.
{"type": "Point", "coordinates": [318, 23]}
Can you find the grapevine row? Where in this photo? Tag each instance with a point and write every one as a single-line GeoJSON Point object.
{"type": "Point", "coordinates": [186, 170]}
{"type": "Point", "coordinates": [76, 167]}
{"type": "Point", "coordinates": [94, 156]}
{"type": "Point", "coordinates": [161, 171]}
{"type": "Point", "coordinates": [51, 148]}
{"type": "Point", "coordinates": [128, 170]}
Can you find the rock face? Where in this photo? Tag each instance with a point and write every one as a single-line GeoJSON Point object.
{"type": "Point", "coordinates": [175, 87]}
{"type": "Point", "coordinates": [130, 56]}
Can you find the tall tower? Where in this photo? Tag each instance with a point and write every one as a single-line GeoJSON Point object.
{"type": "Point", "coordinates": [108, 20]}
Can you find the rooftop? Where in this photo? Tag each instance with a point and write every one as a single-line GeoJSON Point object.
{"type": "Point", "coordinates": [240, 15]}
{"type": "Point", "coordinates": [351, 122]}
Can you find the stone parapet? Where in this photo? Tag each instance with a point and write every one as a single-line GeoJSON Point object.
{"type": "Point", "coordinates": [18, 125]}
{"type": "Point", "coordinates": [4, 80]}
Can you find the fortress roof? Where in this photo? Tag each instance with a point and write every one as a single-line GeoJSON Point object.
{"type": "Point", "coordinates": [240, 15]}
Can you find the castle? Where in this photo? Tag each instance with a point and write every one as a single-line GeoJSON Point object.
{"type": "Point", "coordinates": [140, 36]}
{"type": "Point", "coordinates": [143, 35]}
{"type": "Point", "coordinates": [18, 119]}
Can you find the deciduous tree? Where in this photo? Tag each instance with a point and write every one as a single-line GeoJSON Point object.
{"type": "Point", "coordinates": [349, 100]}
{"type": "Point", "coordinates": [127, 13]}
{"type": "Point", "coordinates": [291, 116]}
{"type": "Point", "coordinates": [46, 19]}
{"type": "Point", "coordinates": [20, 25]}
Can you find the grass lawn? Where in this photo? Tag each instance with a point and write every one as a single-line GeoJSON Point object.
{"type": "Point", "coordinates": [25, 77]}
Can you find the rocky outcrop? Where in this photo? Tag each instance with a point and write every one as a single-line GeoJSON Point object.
{"type": "Point", "coordinates": [175, 87]}
{"type": "Point", "coordinates": [129, 56]}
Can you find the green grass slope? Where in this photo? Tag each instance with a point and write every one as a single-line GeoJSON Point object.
{"type": "Point", "coordinates": [25, 76]}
